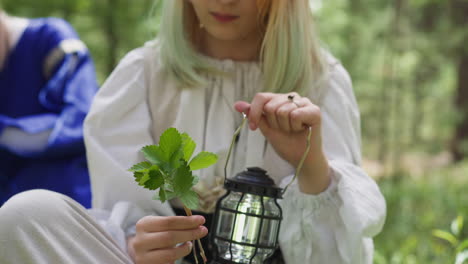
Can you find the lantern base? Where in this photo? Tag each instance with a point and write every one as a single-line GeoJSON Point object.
{"type": "Point", "coordinates": [276, 258]}
{"type": "Point", "coordinates": [222, 261]}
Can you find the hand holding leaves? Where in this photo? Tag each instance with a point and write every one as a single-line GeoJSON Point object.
{"type": "Point", "coordinates": [169, 168]}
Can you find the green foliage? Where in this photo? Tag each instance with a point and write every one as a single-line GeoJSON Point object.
{"type": "Point", "coordinates": [169, 168]}
{"type": "Point", "coordinates": [403, 58]}
{"type": "Point", "coordinates": [454, 241]}
{"type": "Point", "coordinates": [418, 206]}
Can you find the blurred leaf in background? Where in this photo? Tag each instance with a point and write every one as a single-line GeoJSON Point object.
{"type": "Point", "coordinates": [455, 240]}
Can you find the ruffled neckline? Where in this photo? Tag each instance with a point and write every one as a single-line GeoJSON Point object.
{"type": "Point", "coordinates": [230, 64]}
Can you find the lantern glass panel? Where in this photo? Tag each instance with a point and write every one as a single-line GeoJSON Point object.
{"type": "Point", "coordinates": [268, 233]}
{"type": "Point", "coordinates": [231, 200]}
{"type": "Point", "coordinates": [225, 224]}
{"type": "Point", "coordinates": [223, 248]}
{"type": "Point", "coordinates": [246, 229]}
{"type": "Point", "coordinates": [271, 208]}
{"type": "Point", "coordinates": [251, 204]}
{"type": "Point", "coordinates": [270, 226]}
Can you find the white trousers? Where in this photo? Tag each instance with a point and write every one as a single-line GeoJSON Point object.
{"type": "Point", "coordinates": [44, 227]}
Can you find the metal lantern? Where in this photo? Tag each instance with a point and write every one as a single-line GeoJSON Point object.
{"type": "Point", "coordinates": [247, 219]}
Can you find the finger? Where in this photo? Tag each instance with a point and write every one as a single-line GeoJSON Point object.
{"type": "Point", "coordinates": [256, 108]}
{"type": "Point", "coordinates": [168, 255]}
{"type": "Point", "coordinates": [264, 127]}
{"type": "Point", "coordinates": [151, 241]}
{"type": "Point", "coordinates": [283, 116]}
{"type": "Point", "coordinates": [242, 107]}
{"type": "Point", "coordinates": [295, 116]}
{"type": "Point", "coordinates": [165, 223]}
{"type": "Point", "coordinates": [306, 116]}
{"type": "Point", "coordinates": [302, 102]}
{"type": "Point", "coordinates": [270, 110]}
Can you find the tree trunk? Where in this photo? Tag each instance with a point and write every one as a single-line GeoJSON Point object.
{"type": "Point", "coordinates": [459, 145]}
{"type": "Point", "coordinates": [460, 141]}
{"type": "Point", "coordinates": [111, 34]}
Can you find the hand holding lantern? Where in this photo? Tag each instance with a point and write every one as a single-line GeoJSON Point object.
{"type": "Point", "coordinates": [169, 169]}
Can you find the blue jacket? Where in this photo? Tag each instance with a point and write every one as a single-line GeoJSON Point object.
{"type": "Point", "coordinates": [46, 88]}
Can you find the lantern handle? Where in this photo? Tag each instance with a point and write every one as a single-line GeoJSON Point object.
{"type": "Point", "coordinates": [233, 141]}
{"type": "Point", "coordinates": [299, 166]}
{"type": "Point", "coordinates": [301, 162]}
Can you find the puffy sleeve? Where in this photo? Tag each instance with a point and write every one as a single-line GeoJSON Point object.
{"type": "Point", "coordinates": [118, 125]}
{"type": "Point", "coordinates": [337, 225]}
{"type": "Point", "coordinates": [66, 95]}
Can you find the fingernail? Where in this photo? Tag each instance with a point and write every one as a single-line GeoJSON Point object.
{"type": "Point", "coordinates": [200, 219]}
{"type": "Point", "coordinates": [204, 229]}
{"type": "Point", "coordinates": [190, 245]}
{"type": "Point", "coordinates": [252, 126]}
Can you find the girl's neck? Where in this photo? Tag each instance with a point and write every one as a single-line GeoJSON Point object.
{"type": "Point", "coordinates": [242, 50]}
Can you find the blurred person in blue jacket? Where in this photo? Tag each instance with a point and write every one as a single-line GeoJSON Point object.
{"type": "Point", "coordinates": [47, 82]}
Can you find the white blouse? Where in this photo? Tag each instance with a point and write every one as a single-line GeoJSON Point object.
{"type": "Point", "coordinates": [139, 101]}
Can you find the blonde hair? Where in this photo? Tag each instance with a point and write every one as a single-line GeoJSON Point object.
{"type": "Point", "coordinates": [290, 57]}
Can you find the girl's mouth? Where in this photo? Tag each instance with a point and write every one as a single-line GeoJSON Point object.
{"type": "Point", "coordinates": [224, 18]}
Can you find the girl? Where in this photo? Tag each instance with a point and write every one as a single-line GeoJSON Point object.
{"type": "Point", "coordinates": [213, 57]}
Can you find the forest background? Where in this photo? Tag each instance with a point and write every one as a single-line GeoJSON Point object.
{"type": "Point", "coordinates": [409, 63]}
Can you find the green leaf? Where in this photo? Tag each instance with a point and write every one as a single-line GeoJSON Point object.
{"type": "Point", "coordinates": [176, 160]}
{"type": "Point", "coordinates": [190, 199]}
{"type": "Point", "coordinates": [203, 160]}
{"type": "Point", "coordinates": [168, 168]}
{"type": "Point", "coordinates": [170, 142]}
{"type": "Point", "coordinates": [154, 154]}
{"type": "Point", "coordinates": [143, 179]}
{"type": "Point", "coordinates": [155, 180]}
{"type": "Point", "coordinates": [138, 176]}
{"type": "Point", "coordinates": [140, 167]}
{"type": "Point", "coordinates": [446, 236]}
{"type": "Point", "coordinates": [188, 146]}
{"type": "Point", "coordinates": [463, 245]}
{"type": "Point", "coordinates": [168, 186]}
{"type": "Point", "coordinates": [195, 180]}
{"type": "Point", "coordinates": [183, 179]}
{"type": "Point", "coordinates": [457, 225]}
{"type": "Point", "coordinates": [162, 195]}
{"type": "Point", "coordinates": [170, 195]}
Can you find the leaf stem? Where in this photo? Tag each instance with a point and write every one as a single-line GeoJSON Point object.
{"type": "Point", "coordinates": [188, 212]}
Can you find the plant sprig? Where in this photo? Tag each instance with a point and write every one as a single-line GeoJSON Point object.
{"type": "Point", "coordinates": [169, 168]}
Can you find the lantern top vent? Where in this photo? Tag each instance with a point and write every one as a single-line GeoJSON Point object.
{"type": "Point", "coordinates": [254, 180]}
